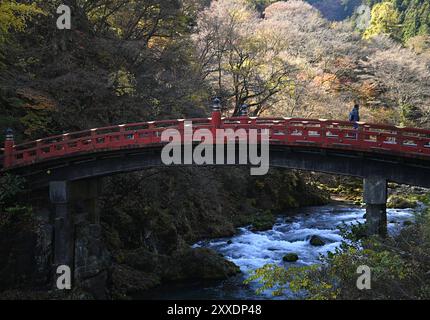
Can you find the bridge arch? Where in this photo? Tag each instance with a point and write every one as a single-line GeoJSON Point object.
{"type": "Point", "coordinates": [348, 163]}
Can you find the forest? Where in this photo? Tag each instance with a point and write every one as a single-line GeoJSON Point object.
{"type": "Point", "coordinates": [138, 60]}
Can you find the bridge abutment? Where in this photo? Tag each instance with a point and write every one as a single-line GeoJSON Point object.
{"type": "Point", "coordinates": [375, 197]}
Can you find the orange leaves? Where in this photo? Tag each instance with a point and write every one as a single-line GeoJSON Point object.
{"type": "Point", "coordinates": [36, 100]}
{"type": "Point", "coordinates": [328, 81]}
{"type": "Point", "coordinates": [369, 89]}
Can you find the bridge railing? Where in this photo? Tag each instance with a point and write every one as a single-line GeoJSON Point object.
{"type": "Point", "coordinates": [321, 133]}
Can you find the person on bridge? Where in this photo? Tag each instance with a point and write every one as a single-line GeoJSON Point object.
{"type": "Point", "coordinates": [354, 115]}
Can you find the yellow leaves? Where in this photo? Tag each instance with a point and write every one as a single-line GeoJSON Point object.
{"type": "Point", "coordinates": [38, 107]}
{"type": "Point", "coordinates": [35, 122]}
{"type": "Point", "coordinates": [13, 16]}
{"type": "Point", "coordinates": [124, 82]}
{"type": "Point", "coordinates": [384, 18]}
{"type": "Point", "coordinates": [240, 11]}
{"type": "Point", "coordinates": [158, 42]}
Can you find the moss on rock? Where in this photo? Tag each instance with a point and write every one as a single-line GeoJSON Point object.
{"type": "Point", "coordinates": [290, 257]}
{"type": "Point", "coordinates": [263, 221]}
{"type": "Point", "coordinates": [401, 202]}
{"type": "Point", "coordinates": [316, 241]}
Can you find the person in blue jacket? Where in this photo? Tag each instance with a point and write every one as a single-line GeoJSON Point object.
{"type": "Point", "coordinates": [354, 115]}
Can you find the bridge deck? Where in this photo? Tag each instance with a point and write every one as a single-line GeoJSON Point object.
{"type": "Point", "coordinates": [322, 134]}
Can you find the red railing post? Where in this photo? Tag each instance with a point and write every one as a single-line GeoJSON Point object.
{"type": "Point", "coordinates": [8, 148]}
{"type": "Point", "coordinates": [243, 114]}
{"type": "Point", "coordinates": [360, 134]}
{"type": "Point", "coordinates": [38, 149]}
{"type": "Point", "coordinates": [181, 129]}
{"type": "Point", "coordinates": [287, 129]}
{"type": "Point", "coordinates": [94, 138]}
{"type": "Point", "coordinates": [216, 114]}
{"type": "Point", "coordinates": [216, 118]}
{"type": "Point", "coordinates": [121, 134]}
{"type": "Point", "coordinates": [323, 132]}
{"type": "Point", "coordinates": [399, 138]}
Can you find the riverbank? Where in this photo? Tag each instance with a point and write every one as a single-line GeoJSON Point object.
{"type": "Point", "coordinates": [291, 234]}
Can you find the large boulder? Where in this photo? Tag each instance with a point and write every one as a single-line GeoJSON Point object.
{"type": "Point", "coordinates": [400, 202]}
{"type": "Point", "coordinates": [316, 241]}
{"type": "Point", "coordinates": [199, 264]}
{"type": "Point", "coordinates": [407, 223]}
{"type": "Point", "coordinates": [92, 260]}
{"type": "Point", "coordinates": [263, 221]}
{"type": "Point", "coordinates": [290, 257]}
{"type": "Point", "coordinates": [127, 281]}
{"type": "Point", "coordinates": [141, 259]}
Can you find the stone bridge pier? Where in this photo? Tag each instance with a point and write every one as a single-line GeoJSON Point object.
{"type": "Point", "coordinates": [59, 194]}
{"type": "Point", "coordinates": [77, 239]}
{"type": "Point", "coordinates": [375, 198]}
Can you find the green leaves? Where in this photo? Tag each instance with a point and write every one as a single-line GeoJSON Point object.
{"type": "Point", "coordinates": [299, 280]}
{"type": "Point", "coordinates": [10, 187]}
{"type": "Point", "coordinates": [398, 267]}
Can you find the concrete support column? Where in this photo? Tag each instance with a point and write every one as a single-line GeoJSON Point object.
{"type": "Point", "coordinates": [59, 193]}
{"type": "Point", "coordinates": [375, 197]}
{"type": "Point", "coordinates": [77, 235]}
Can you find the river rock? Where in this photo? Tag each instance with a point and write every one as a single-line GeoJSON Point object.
{"type": "Point", "coordinates": [263, 221]}
{"type": "Point", "coordinates": [141, 259]}
{"type": "Point", "coordinates": [92, 260]}
{"type": "Point", "coordinates": [400, 202]}
{"type": "Point", "coordinates": [198, 264]}
{"type": "Point", "coordinates": [290, 257]}
{"type": "Point", "coordinates": [127, 280]}
{"type": "Point", "coordinates": [316, 241]}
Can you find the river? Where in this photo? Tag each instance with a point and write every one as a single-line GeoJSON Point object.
{"type": "Point", "coordinates": [250, 250]}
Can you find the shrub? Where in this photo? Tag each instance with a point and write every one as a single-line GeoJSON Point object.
{"type": "Point", "coordinates": [399, 267]}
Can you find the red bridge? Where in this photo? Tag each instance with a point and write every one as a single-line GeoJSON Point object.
{"type": "Point", "coordinates": [70, 165]}
{"type": "Point", "coordinates": [319, 134]}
